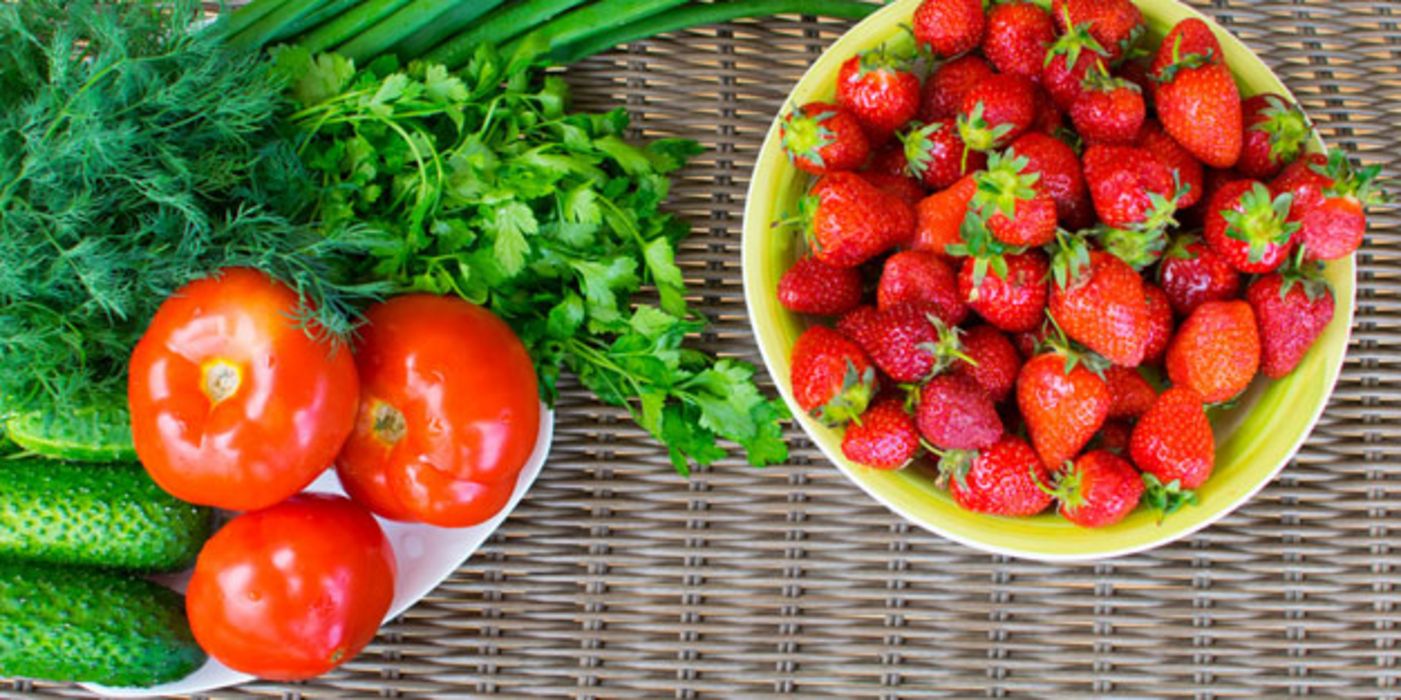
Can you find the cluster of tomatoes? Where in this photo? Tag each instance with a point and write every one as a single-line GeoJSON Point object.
{"type": "Point", "coordinates": [239, 402]}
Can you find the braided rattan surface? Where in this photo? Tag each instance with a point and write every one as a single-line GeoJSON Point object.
{"type": "Point", "coordinates": [616, 578]}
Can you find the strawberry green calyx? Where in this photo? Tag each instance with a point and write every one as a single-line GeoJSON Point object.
{"type": "Point", "coordinates": [850, 402]}
{"type": "Point", "coordinates": [1070, 258]}
{"type": "Point", "coordinates": [1075, 355]}
{"type": "Point", "coordinates": [1182, 62]}
{"type": "Point", "coordinates": [977, 134]}
{"type": "Point", "coordinates": [805, 135]}
{"type": "Point", "coordinates": [1350, 182]}
{"type": "Point", "coordinates": [1289, 129]}
{"type": "Point", "coordinates": [954, 464]}
{"type": "Point", "coordinates": [948, 348]}
{"type": "Point", "coordinates": [918, 146]}
{"type": "Point", "coordinates": [883, 59]}
{"type": "Point", "coordinates": [1003, 184]}
{"type": "Point", "coordinates": [1262, 221]}
{"type": "Point", "coordinates": [1101, 81]}
{"type": "Point", "coordinates": [1304, 273]}
{"type": "Point", "coordinates": [803, 219]}
{"type": "Point", "coordinates": [1073, 42]}
{"type": "Point", "coordinates": [1137, 248]}
{"type": "Point", "coordinates": [1167, 498]}
{"type": "Point", "coordinates": [988, 253]}
{"type": "Point", "coordinates": [1064, 486]}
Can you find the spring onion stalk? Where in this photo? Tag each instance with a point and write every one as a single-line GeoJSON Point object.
{"type": "Point", "coordinates": [456, 19]}
{"type": "Point", "coordinates": [503, 25]}
{"type": "Point", "coordinates": [244, 17]}
{"type": "Point", "coordinates": [395, 28]}
{"type": "Point", "coordinates": [328, 12]}
{"type": "Point", "coordinates": [583, 22]}
{"type": "Point", "coordinates": [349, 25]}
{"type": "Point", "coordinates": [255, 35]}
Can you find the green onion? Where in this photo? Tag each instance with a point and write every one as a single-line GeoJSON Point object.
{"type": "Point", "coordinates": [328, 12]}
{"type": "Point", "coordinates": [584, 22]}
{"type": "Point", "coordinates": [393, 29]}
{"type": "Point", "coordinates": [346, 27]}
{"type": "Point", "coordinates": [258, 33]}
{"type": "Point", "coordinates": [244, 17]}
{"type": "Point", "coordinates": [451, 22]}
{"type": "Point", "coordinates": [503, 25]}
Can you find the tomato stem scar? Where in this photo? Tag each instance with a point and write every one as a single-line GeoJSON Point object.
{"type": "Point", "coordinates": [389, 425]}
{"type": "Point", "coordinates": [221, 380]}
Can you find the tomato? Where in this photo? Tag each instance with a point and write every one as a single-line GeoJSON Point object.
{"type": "Point", "coordinates": [232, 405]}
{"type": "Point", "coordinates": [449, 412]}
{"type": "Point", "coordinates": [292, 591]}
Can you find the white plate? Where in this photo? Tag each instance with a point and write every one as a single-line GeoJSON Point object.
{"type": "Point", "coordinates": [425, 555]}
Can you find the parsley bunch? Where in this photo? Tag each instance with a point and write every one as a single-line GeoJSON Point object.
{"type": "Point", "coordinates": [483, 184]}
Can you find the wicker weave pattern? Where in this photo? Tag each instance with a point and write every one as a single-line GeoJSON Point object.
{"type": "Point", "coordinates": [618, 579]}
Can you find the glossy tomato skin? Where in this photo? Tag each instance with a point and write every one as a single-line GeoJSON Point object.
{"type": "Point", "coordinates": [292, 591]}
{"type": "Point", "coordinates": [232, 405]}
{"type": "Point", "coordinates": [449, 412]}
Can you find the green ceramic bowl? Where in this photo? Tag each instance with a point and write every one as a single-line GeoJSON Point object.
{"type": "Point", "coordinates": [1254, 441]}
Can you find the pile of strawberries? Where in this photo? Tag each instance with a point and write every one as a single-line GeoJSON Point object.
{"type": "Point", "coordinates": [1066, 235]}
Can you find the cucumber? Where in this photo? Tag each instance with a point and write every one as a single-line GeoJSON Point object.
{"type": "Point", "coordinates": [67, 624]}
{"type": "Point", "coordinates": [95, 430]}
{"type": "Point", "coordinates": [105, 515]}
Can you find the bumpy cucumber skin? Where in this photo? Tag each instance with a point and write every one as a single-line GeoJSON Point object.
{"type": "Point", "coordinates": [99, 431]}
{"type": "Point", "coordinates": [107, 515]}
{"type": "Point", "coordinates": [69, 624]}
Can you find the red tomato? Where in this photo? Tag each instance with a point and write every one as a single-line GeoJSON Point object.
{"type": "Point", "coordinates": [292, 591]}
{"type": "Point", "coordinates": [233, 405]}
{"type": "Point", "coordinates": [449, 412]}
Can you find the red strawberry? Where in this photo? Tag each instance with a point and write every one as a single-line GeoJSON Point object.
{"type": "Point", "coordinates": [1216, 351]}
{"type": "Point", "coordinates": [1335, 226]}
{"type": "Point", "coordinates": [941, 216]}
{"type": "Point", "coordinates": [1000, 479]}
{"type": "Point", "coordinates": [1116, 24]}
{"type": "Point", "coordinates": [1275, 134]}
{"type": "Point", "coordinates": [1159, 323]}
{"type": "Point", "coordinates": [858, 325]}
{"type": "Point", "coordinates": [821, 138]}
{"type": "Point", "coordinates": [1063, 402]}
{"type": "Point", "coordinates": [1192, 273]}
{"type": "Point", "coordinates": [1012, 207]}
{"type": "Point", "coordinates": [923, 279]}
{"type": "Point", "coordinates": [1197, 100]}
{"type": "Point", "coordinates": [943, 92]}
{"type": "Point", "coordinates": [1292, 310]}
{"type": "Point", "coordinates": [904, 187]}
{"type": "Point", "coordinates": [1130, 394]}
{"type": "Point", "coordinates": [996, 110]}
{"type": "Point", "coordinates": [901, 341]}
{"type": "Point", "coordinates": [811, 286]}
{"type": "Point", "coordinates": [1017, 36]}
{"type": "Point", "coordinates": [994, 361]}
{"type": "Point", "coordinates": [832, 378]}
{"type": "Point", "coordinates": [1060, 177]}
{"type": "Point", "coordinates": [1029, 343]}
{"type": "Point", "coordinates": [852, 221]}
{"type": "Point", "coordinates": [1190, 37]}
{"type": "Point", "coordinates": [1073, 56]}
{"type": "Point", "coordinates": [1248, 229]}
{"type": "Point", "coordinates": [1305, 180]}
{"type": "Point", "coordinates": [1213, 179]}
{"type": "Point", "coordinates": [1130, 187]}
{"type": "Point", "coordinates": [955, 413]}
{"type": "Point", "coordinates": [1109, 110]}
{"type": "Point", "coordinates": [1098, 490]}
{"type": "Point", "coordinates": [1007, 290]}
{"type": "Point", "coordinates": [950, 27]}
{"type": "Point", "coordinates": [884, 437]}
{"type": "Point", "coordinates": [1098, 300]}
{"type": "Point", "coordinates": [1173, 440]}
{"type": "Point", "coordinates": [1179, 162]}
{"type": "Point", "coordinates": [937, 156]}
{"type": "Point", "coordinates": [880, 90]}
{"type": "Point", "coordinates": [1139, 72]}
{"type": "Point", "coordinates": [888, 160]}
{"type": "Point", "coordinates": [1113, 437]}
{"type": "Point", "coordinates": [1048, 120]}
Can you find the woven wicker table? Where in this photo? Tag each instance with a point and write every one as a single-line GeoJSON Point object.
{"type": "Point", "coordinates": [616, 578]}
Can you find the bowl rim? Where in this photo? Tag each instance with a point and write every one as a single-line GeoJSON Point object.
{"type": "Point", "coordinates": [765, 171]}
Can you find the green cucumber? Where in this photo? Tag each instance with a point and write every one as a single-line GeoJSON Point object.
{"type": "Point", "coordinates": [105, 515]}
{"type": "Point", "coordinates": [64, 624]}
{"type": "Point", "coordinates": [98, 430]}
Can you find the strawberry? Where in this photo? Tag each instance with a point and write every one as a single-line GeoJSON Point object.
{"type": "Point", "coordinates": [884, 437]}
{"type": "Point", "coordinates": [889, 159]}
{"type": "Point", "coordinates": [1008, 290]}
{"type": "Point", "coordinates": [1335, 225]}
{"type": "Point", "coordinates": [858, 325]}
{"type": "Point", "coordinates": [1130, 394]}
{"type": "Point", "coordinates": [1113, 437]}
{"type": "Point", "coordinates": [1097, 490]}
{"type": "Point", "coordinates": [1173, 440]}
{"type": "Point", "coordinates": [943, 92]}
{"type": "Point", "coordinates": [811, 286]}
{"type": "Point", "coordinates": [1197, 98]}
{"type": "Point", "coordinates": [940, 217]}
{"type": "Point", "coordinates": [937, 156]}
{"type": "Point", "coordinates": [1139, 72]}
{"type": "Point", "coordinates": [1000, 479]}
{"type": "Point", "coordinates": [1116, 24]}
{"type": "Point", "coordinates": [1216, 351]}
{"type": "Point", "coordinates": [1064, 404]}
{"type": "Point", "coordinates": [990, 360]}
{"type": "Point", "coordinates": [1098, 300]}
{"type": "Point", "coordinates": [1048, 120]}
{"type": "Point", "coordinates": [955, 413]}
{"type": "Point", "coordinates": [1073, 56]}
{"type": "Point", "coordinates": [1014, 210]}
{"type": "Point", "coordinates": [1213, 179]}
{"type": "Point", "coordinates": [1060, 177]}
{"type": "Point", "coordinates": [1292, 310]}
{"type": "Point", "coordinates": [903, 187]}
{"type": "Point", "coordinates": [901, 341]}
{"type": "Point", "coordinates": [950, 27]}
{"type": "Point", "coordinates": [1109, 110]}
{"type": "Point", "coordinates": [821, 138]}
{"type": "Point", "coordinates": [995, 111]}
{"type": "Point", "coordinates": [1275, 134]}
{"type": "Point", "coordinates": [880, 90]}
{"type": "Point", "coordinates": [1029, 343]}
{"type": "Point", "coordinates": [1185, 168]}
{"type": "Point", "coordinates": [1248, 228]}
{"type": "Point", "coordinates": [1137, 248]}
{"type": "Point", "coordinates": [923, 279]}
{"type": "Point", "coordinates": [1017, 35]}
{"type": "Point", "coordinates": [1305, 180]}
{"type": "Point", "coordinates": [1159, 323]}
{"type": "Point", "coordinates": [1192, 273]}
{"type": "Point", "coordinates": [1190, 37]}
{"type": "Point", "coordinates": [1130, 187]}
{"type": "Point", "coordinates": [851, 221]}
{"type": "Point", "coordinates": [832, 378]}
